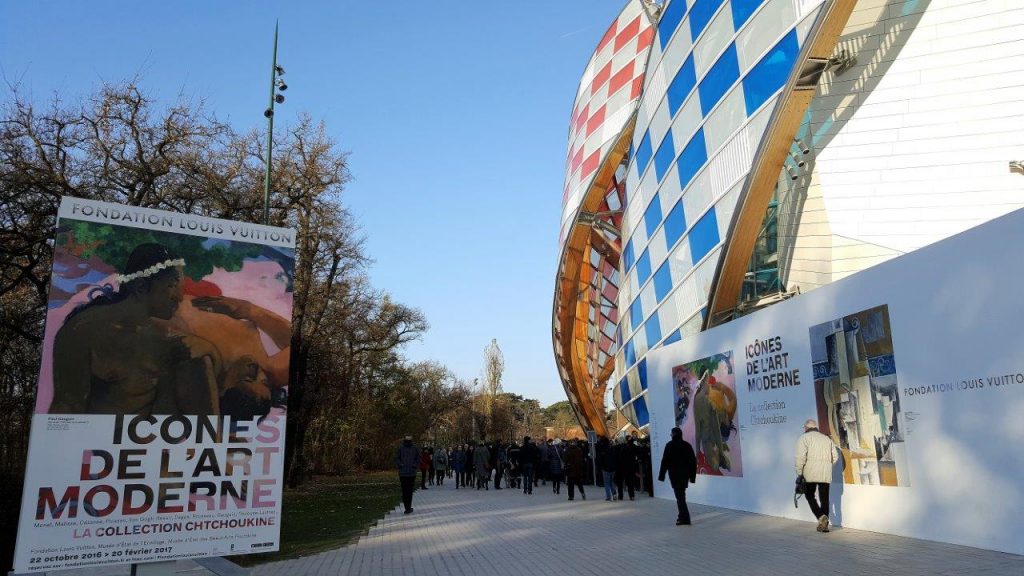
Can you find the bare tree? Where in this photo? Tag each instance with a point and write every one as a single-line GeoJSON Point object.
{"type": "Point", "coordinates": [494, 367]}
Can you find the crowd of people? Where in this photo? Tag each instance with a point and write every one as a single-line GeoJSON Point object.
{"type": "Point", "coordinates": [618, 467]}
{"type": "Point", "coordinates": [564, 463]}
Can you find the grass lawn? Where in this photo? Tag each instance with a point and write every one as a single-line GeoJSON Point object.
{"type": "Point", "coordinates": [330, 512]}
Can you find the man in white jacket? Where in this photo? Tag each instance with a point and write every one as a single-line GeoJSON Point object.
{"type": "Point", "coordinates": [815, 456]}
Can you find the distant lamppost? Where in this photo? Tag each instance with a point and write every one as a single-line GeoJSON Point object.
{"type": "Point", "coordinates": [277, 85]}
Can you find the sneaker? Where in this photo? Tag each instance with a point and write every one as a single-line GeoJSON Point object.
{"type": "Point", "coordinates": [607, 499]}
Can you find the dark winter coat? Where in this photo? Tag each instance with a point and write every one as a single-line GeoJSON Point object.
{"type": "Point", "coordinates": [627, 459]}
{"type": "Point", "coordinates": [407, 459]}
{"type": "Point", "coordinates": [528, 454]}
{"type": "Point", "coordinates": [606, 457]}
{"type": "Point", "coordinates": [555, 461]}
{"type": "Point", "coordinates": [680, 463]}
{"type": "Point", "coordinates": [574, 462]}
{"type": "Point", "coordinates": [459, 458]}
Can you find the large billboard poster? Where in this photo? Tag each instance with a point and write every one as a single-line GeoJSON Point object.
{"type": "Point", "coordinates": [913, 368]}
{"type": "Point", "coordinates": [159, 425]}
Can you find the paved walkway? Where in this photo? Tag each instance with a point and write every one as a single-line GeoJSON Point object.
{"type": "Point", "coordinates": [471, 533]}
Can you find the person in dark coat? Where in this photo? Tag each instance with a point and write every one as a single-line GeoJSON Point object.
{"type": "Point", "coordinates": [528, 458]}
{"type": "Point", "coordinates": [555, 466]}
{"type": "Point", "coordinates": [575, 464]}
{"type": "Point", "coordinates": [681, 464]}
{"type": "Point", "coordinates": [481, 465]}
{"type": "Point", "coordinates": [625, 476]}
{"type": "Point", "coordinates": [607, 464]}
{"type": "Point", "coordinates": [407, 460]}
{"type": "Point", "coordinates": [459, 460]}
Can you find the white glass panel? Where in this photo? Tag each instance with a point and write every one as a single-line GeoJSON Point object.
{"type": "Point", "coordinates": [687, 121]}
{"type": "Point", "coordinates": [727, 117]}
{"type": "Point", "coordinates": [698, 196]}
{"type": "Point", "coordinates": [714, 39]}
{"type": "Point", "coordinates": [763, 30]}
{"type": "Point", "coordinates": [657, 250]}
{"type": "Point", "coordinates": [677, 51]}
{"type": "Point", "coordinates": [680, 261]}
{"type": "Point", "coordinates": [686, 299]}
{"type": "Point", "coordinates": [647, 299]}
{"type": "Point", "coordinates": [668, 316]}
{"type": "Point", "coordinates": [725, 208]}
{"type": "Point", "coordinates": [640, 343]}
{"type": "Point", "coordinates": [659, 126]}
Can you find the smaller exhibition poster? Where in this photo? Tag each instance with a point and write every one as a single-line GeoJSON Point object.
{"type": "Point", "coordinates": [158, 431]}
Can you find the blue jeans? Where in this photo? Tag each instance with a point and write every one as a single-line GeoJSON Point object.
{"type": "Point", "coordinates": [609, 488]}
{"type": "Point", "coordinates": [528, 478]}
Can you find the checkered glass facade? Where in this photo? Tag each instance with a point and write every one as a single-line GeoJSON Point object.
{"type": "Point", "coordinates": [714, 75]}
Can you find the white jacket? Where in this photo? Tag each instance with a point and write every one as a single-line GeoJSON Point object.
{"type": "Point", "coordinates": [815, 456]}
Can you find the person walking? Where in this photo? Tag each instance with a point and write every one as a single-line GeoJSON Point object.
{"type": "Point", "coordinates": [528, 456]}
{"type": "Point", "coordinates": [440, 465]}
{"type": "Point", "coordinates": [681, 464]}
{"type": "Point", "coordinates": [481, 465]}
{"type": "Point", "coordinates": [459, 464]}
{"type": "Point", "coordinates": [574, 469]}
{"type": "Point", "coordinates": [815, 456]}
{"type": "Point", "coordinates": [542, 464]}
{"type": "Point", "coordinates": [555, 467]}
{"type": "Point", "coordinates": [407, 460]}
{"type": "Point", "coordinates": [606, 464]}
{"type": "Point", "coordinates": [425, 467]}
{"type": "Point", "coordinates": [626, 473]}
{"type": "Point", "coordinates": [501, 463]}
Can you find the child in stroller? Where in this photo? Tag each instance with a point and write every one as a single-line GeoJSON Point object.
{"type": "Point", "coordinates": [512, 477]}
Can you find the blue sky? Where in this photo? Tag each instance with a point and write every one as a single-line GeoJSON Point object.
{"type": "Point", "coordinates": [455, 113]}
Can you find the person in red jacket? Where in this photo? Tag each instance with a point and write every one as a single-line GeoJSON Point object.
{"type": "Point", "coordinates": [426, 463]}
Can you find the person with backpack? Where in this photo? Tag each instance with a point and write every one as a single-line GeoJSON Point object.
{"type": "Point", "coordinates": [815, 456]}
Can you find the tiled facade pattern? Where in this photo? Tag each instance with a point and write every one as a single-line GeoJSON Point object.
{"type": "Point", "coordinates": [714, 74]}
{"type": "Point", "coordinates": [608, 90]}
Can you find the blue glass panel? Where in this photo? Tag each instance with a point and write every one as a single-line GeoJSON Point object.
{"type": "Point", "coordinates": [624, 391]}
{"type": "Point", "coordinates": [741, 11]}
{"type": "Point", "coordinates": [675, 225]}
{"type": "Point", "coordinates": [681, 86]}
{"type": "Point", "coordinates": [628, 256]}
{"type": "Point", "coordinates": [673, 337]}
{"type": "Point", "coordinates": [719, 79]}
{"type": "Point", "coordinates": [636, 314]}
{"type": "Point", "coordinates": [643, 268]}
{"type": "Point", "coordinates": [663, 159]}
{"type": "Point", "coordinates": [704, 235]}
{"type": "Point", "coordinates": [643, 154]}
{"type": "Point", "coordinates": [630, 353]}
{"type": "Point", "coordinates": [653, 331]}
{"type": "Point", "coordinates": [652, 216]}
{"type": "Point", "coordinates": [671, 16]}
{"type": "Point", "coordinates": [643, 417]}
{"type": "Point", "coordinates": [662, 282]}
{"type": "Point", "coordinates": [692, 159]}
{"type": "Point", "coordinates": [770, 73]}
{"type": "Point", "coordinates": [641, 371]}
{"type": "Point", "coordinates": [701, 14]}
